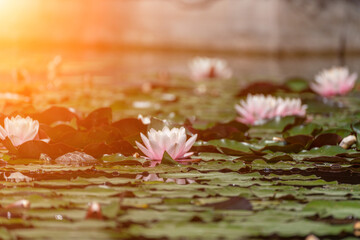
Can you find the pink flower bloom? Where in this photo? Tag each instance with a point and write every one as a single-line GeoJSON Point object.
{"type": "Point", "coordinates": [19, 130]}
{"type": "Point", "coordinates": [202, 68]}
{"type": "Point", "coordinates": [334, 81]}
{"type": "Point", "coordinates": [257, 109]}
{"type": "Point", "coordinates": [172, 141]}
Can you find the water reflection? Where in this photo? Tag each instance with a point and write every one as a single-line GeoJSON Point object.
{"type": "Point", "coordinates": [135, 67]}
{"type": "Point", "coordinates": [153, 177]}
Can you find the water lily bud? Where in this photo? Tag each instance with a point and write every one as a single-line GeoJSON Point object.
{"type": "Point", "coordinates": [348, 141]}
{"type": "Point", "coordinates": [94, 211]}
{"type": "Point", "coordinates": [312, 237]}
{"type": "Point", "coordinates": [357, 229]}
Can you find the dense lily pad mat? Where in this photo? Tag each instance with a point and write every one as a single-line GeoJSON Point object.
{"type": "Point", "coordinates": [241, 184]}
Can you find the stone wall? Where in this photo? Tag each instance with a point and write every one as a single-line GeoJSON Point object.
{"type": "Point", "coordinates": [320, 25]}
{"type": "Point", "coordinates": [261, 26]}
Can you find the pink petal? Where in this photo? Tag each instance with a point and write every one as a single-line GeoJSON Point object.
{"type": "Point", "coordinates": [144, 150]}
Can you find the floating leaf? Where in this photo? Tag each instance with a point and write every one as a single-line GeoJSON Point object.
{"type": "Point", "coordinates": [326, 139]}
{"type": "Point", "coordinates": [167, 160]}
{"type": "Point", "coordinates": [55, 114]}
{"type": "Point", "coordinates": [130, 129]}
{"type": "Point", "coordinates": [304, 129]}
{"type": "Point", "coordinates": [99, 117]}
{"type": "Point", "coordinates": [233, 203]}
{"type": "Point", "coordinates": [303, 140]}
{"type": "Point", "coordinates": [231, 130]}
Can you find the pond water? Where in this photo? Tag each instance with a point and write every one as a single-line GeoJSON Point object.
{"type": "Point", "coordinates": [124, 66]}
{"type": "Point", "coordinates": [284, 179]}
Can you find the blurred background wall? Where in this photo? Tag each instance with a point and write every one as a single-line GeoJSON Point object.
{"type": "Point", "coordinates": [112, 39]}
{"type": "Point", "coordinates": [261, 26]}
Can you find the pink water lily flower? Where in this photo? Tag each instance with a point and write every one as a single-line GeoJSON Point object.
{"type": "Point", "coordinates": [257, 109]}
{"type": "Point", "coordinates": [203, 68]}
{"type": "Point", "coordinates": [334, 81]}
{"type": "Point", "coordinates": [172, 141]}
{"type": "Point", "coordinates": [19, 129]}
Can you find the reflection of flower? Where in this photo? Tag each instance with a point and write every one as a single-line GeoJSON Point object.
{"type": "Point", "coordinates": [172, 141]}
{"type": "Point", "coordinates": [19, 130]}
{"type": "Point", "coordinates": [204, 68]}
{"type": "Point", "coordinates": [153, 177]}
{"type": "Point", "coordinates": [334, 81]}
{"type": "Point", "coordinates": [53, 67]}
{"type": "Point", "coordinates": [256, 109]}
{"type": "Point", "coordinates": [12, 96]}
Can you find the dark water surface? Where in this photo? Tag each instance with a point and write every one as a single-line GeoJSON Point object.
{"type": "Point", "coordinates": [125, 66]}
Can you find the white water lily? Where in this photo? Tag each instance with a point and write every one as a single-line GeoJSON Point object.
{"type": "Point", "coordinates": [334, 81]}
{"type": "Point", "coordinates": [19, 129]}
{"type": "Point", "coordinates": [257, 109]}
{"type": "Point", "coordinates": [202, 68]}
{"type": "Point", "coordinates": [172, 141]}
